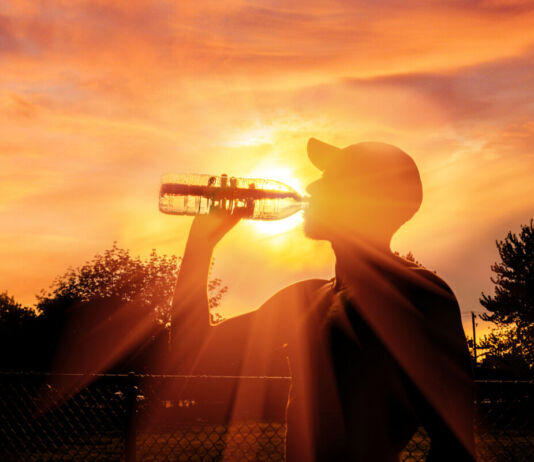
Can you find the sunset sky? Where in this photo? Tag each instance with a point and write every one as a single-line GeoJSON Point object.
{"type": "Point", "coordinates": [99, 98]}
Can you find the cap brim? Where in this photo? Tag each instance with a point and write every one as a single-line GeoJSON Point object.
{"type": "Point", "coordinates": [322, 154]}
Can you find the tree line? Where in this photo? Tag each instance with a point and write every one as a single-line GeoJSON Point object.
{"type": "Point", "coordinates": [113, 299]}
{"type": "Point", "coordinates": [124, 302]}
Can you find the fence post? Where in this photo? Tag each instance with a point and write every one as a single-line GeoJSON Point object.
{"type": "Point", "coordinates": [130, 427]}
{"type": "Point", "coordinates": [473, 318]}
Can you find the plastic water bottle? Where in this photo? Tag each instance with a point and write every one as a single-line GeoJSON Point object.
{"type": "Point", "coordinates": [254, 198]}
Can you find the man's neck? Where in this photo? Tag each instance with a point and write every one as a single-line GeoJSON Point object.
{"type": "Point", "coordinates": [362, 250]}
{"type": "Point", "coordinates": [360, 257]}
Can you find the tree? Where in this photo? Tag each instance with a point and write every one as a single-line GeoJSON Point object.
{"type": "Point", "coordinates": [411, 258]}
{"type": "Point", "coordinates": [115, 274]}
{"type": "Point", "coordinates": [16, 322]}
{"type": "Point", "coordinates": [511, 307]}
{"type": "Point", "coordinates": [110, 313]}
{"type": "Point", "coordinates": [13, 313]}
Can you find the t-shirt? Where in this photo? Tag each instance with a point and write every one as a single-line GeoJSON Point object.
{"type": "Point", "coordinates": [370, 361]}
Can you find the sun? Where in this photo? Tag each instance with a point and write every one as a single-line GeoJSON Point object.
{"type": "Point", "coordinates": [285, 175]}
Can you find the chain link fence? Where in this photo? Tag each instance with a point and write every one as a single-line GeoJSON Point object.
{"type": "Point", "coordinates": [182, 418]}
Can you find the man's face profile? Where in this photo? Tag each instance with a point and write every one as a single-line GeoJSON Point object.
{"type": "Point", "coordinates": [367, 191]}
{"type": "Point", "coordinates": [342, 202]}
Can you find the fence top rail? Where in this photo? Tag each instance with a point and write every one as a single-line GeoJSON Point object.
{"type": "Point", "coordinates": [198, 376]}
{"type": "Point", "coordinates": [497, 382]}
{"type": "Point", "coordinates": [141, 376]}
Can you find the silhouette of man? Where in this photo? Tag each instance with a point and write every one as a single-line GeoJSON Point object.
{"type": "Point", "coordinates": [375, 352]}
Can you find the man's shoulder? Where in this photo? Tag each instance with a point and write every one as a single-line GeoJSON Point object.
{"type": "Point", "coordinates": [433, 296]}
{"type": "Point", "coordinates": [304, 288]}
{"type": "Point", "coordinates": [298, 293]}
{"type": "Point", "coordinates": [430, 281]}
{"type": "Point", "coordinates": [413, 275]}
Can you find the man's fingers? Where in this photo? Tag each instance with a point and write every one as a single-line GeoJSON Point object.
{"type": "Point", "coordinates": [214, 225]}
{"type": "Point", "coordinates": [241, 213]}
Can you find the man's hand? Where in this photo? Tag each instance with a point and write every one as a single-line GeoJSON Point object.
{"type": "Point", "coordinates": [211, 228]}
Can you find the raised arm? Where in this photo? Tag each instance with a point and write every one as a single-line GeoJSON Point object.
{"type": "Point", "coordinates": [191, 320]}
{"type": "Point", "coordinates": [240, 345]}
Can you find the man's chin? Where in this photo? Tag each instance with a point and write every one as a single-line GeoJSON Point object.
{"type": "Point", "coordinates": [314, 231]}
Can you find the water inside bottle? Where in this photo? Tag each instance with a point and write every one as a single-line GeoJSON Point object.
{"type": "Point", "coordinates": [256, 198]}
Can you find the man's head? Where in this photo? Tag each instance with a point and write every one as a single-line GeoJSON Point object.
{"type": "Point", "coordinates": [367, 191]}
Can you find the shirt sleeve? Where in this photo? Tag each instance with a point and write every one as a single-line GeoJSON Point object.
{"type": "Point", "coordinates": [253, 343]}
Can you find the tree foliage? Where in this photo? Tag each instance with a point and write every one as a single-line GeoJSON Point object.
{"type": "Point", "coordinates": [511, 307]}
{"type": "Point", "coordinates": [12, 313]}
{"type": "Point", "coordinates": [17, 325]}
{"type": "Point", "coordinates": [113, 289]}
{"type": "Point", "coordinates": [115, 274]}
{"type": "Point", "coordinates": [411, 258]}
